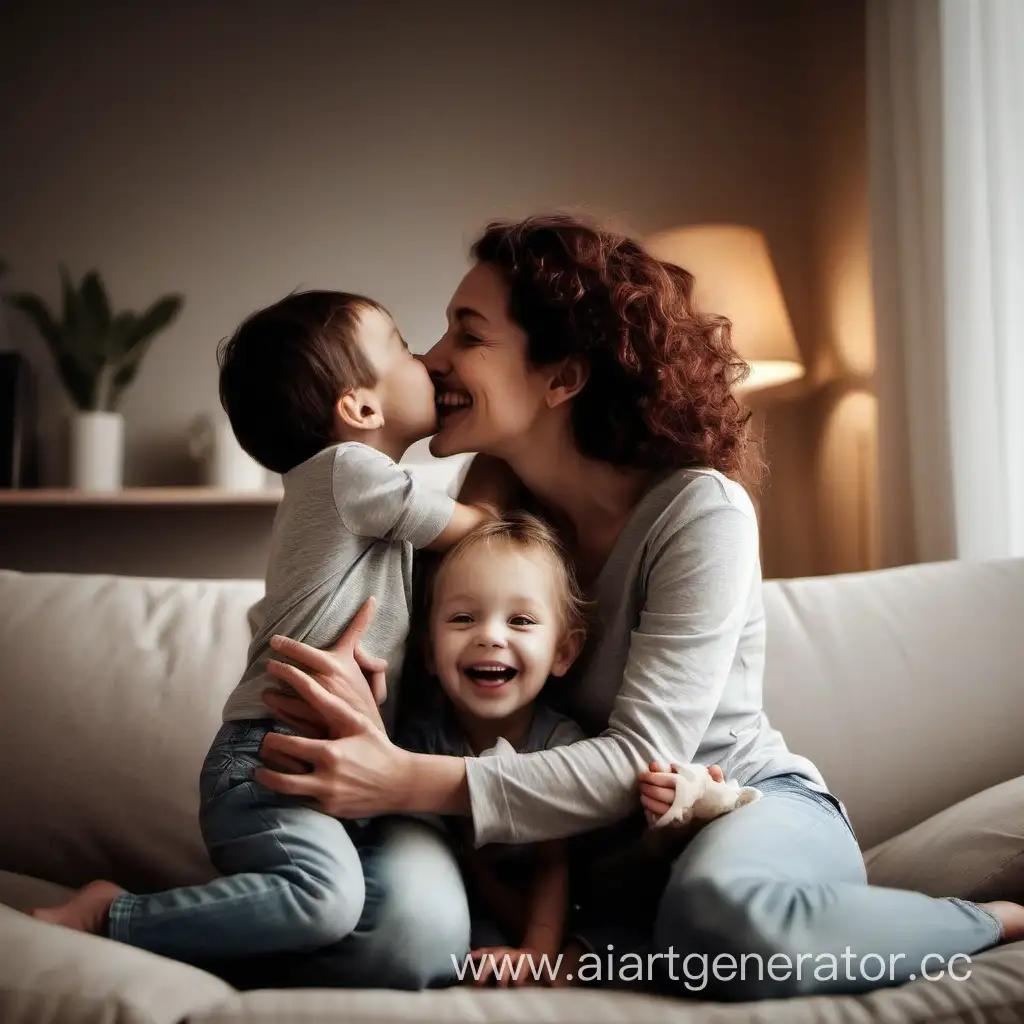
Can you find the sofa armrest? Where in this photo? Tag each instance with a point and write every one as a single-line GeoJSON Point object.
{"type": "Point", "coordinates": [52, 975]}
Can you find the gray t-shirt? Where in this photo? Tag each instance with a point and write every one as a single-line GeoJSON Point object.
{"type": "Point", "coordinates": [345, 530]}
{"type": "Point", "coordinates": [672, 672]}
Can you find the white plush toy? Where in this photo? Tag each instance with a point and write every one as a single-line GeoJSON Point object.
{"type": "Point", "coordinates": [699, 798]}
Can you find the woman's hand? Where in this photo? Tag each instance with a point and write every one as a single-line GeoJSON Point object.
{"type": "Point", "coordinates": [357, 771]}
{"type": "Point", "coordinates": [344, 670]}
{"type": "Point", "coordinates": [657, 788]}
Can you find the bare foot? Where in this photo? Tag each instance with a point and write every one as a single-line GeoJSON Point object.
{"type": "Point", "coordinates": [1010, 916]}
{"type": "Point", "coordinates": [86, 911]}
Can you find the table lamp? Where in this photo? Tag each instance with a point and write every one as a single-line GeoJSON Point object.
{"type": "Point", "coordinates": [734, 277]}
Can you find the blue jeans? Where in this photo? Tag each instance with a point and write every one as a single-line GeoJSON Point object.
{"type": "Point", "coordinates": [784, 878]}
{"type": "Point", "coordinates": [415, 919]}
{"type": "Point", "coordinates": [294, 880]}
{"type": "Point", "coordinates": [291, 878]}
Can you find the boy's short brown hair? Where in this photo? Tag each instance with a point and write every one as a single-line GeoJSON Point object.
{"type": "Point", "coordinates": [283, 370]}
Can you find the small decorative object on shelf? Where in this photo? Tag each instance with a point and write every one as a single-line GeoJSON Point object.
{"type": "Point", "coordinates": [97, 354]}
{"type": "Point", "coordinates": [225, 465]}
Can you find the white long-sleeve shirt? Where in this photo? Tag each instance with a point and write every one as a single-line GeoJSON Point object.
{"type": "Point", "coordinates": [672, 671]}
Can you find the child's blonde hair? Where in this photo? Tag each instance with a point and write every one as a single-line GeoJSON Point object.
{"type": "Point", "coordinates": [530, 533]}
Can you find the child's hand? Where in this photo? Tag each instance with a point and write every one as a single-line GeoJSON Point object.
{"type": "Point", "coordinates": [508, 965]}
{"type": "Point", "coordinates": [658, 787]}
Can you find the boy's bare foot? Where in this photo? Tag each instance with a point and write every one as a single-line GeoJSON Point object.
{"type": "Point", "coordinates": [86, 911]}
{"type": "Point", "coordinates": [1010, 916]}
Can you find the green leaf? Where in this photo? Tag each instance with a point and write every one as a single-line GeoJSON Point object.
{"type": "Point", "coordinates": [39, 313]}
{"type": "Point", "coordinates": [80, 382]}
{"type": "Point", "coordinates": [121, 329]}
{"type": "Point", "coordinates": [96, 315]}
{"type": "Point", "coordinates": [154, 320]}
{"type": "Point", "coordinates": [72, 309]}
{"type": "Point", "coordinates": [140, 334]}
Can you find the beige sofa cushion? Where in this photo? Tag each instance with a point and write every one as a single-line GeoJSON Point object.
{"type": "Point", "coordinates": [974, 849]}
{"type": "Point", "coordinates": [114, 689]}
{"type": "Point", "coordinates": [51, 975]}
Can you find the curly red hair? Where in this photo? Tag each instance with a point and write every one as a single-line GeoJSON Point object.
{"type": "Point", "coordinates": [661, 372]}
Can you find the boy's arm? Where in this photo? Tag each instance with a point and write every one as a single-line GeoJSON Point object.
{"type": "Point", "coordinates": [549, 902]}
{"type": "Point", "coordinates": [376, 497]}
{"type": "Point", "coordinates": [465, 519]}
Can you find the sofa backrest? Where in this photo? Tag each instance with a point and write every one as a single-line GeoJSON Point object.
{"type": "Point", "coordinates": [905, 686]}
{"type": "Point", "coordinates": [112, 691]}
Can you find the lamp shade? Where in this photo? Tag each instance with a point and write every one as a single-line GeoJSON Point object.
{"type": "Point", "coordinates": [734, 277]}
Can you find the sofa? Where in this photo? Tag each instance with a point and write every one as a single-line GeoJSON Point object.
{"type": "Point", "coordinates": [904, 685]}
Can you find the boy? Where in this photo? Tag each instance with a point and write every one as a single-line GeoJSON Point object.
{"type": "Point", "coordinates": [321, 388]}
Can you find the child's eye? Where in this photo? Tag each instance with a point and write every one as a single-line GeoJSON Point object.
{"type": "Point", "coordinates": [522, 620]}
{"type": "Point", "coordinates": [461, 617]}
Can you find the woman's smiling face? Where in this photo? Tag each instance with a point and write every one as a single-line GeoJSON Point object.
{"type": "Point", "coordinates": [489, 397]}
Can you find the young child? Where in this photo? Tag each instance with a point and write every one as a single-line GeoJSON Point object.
{"type": "Point", "coordinates": [505, 616]}
{"type": "Point", "coordinates": [321, 388]}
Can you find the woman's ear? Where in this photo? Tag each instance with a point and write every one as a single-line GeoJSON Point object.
{"type": "Point", "coordinates": [567, 651]}
{"type": "Point", "coordinates": [568, 381]}
{"type": "Point", "coordinates": [359, 409]}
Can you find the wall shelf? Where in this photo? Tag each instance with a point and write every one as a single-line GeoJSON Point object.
{"type": "Point", "coordinates": [141, 496]}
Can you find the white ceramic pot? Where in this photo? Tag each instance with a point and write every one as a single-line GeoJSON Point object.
{"type": "Point", "coordinates": [96, 451]}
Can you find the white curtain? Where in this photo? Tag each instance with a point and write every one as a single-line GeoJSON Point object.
{"type": "Point", "coordinates": [946, 110]}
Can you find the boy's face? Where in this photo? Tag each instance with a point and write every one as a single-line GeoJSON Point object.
{"type": "Point", "coordinates": [404, 387]}
{"type": "Point", "coordinates": [495, 630]}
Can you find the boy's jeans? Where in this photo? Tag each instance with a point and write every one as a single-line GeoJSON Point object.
{"type": "Point", "coordinates": [292, 877]}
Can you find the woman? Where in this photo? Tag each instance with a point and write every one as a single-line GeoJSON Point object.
{"type": "Point", "coordinates": [579, 360]}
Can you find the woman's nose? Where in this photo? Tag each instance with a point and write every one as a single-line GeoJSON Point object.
{"type": "Point", "coordinates": [435, 360]}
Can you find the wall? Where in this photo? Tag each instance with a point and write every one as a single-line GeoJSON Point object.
{"type": "Point", "coordinates": [232, 153]}
{"type": "Point", "coordinates": [821, 513]}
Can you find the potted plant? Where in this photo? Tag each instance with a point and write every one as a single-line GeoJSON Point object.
{"type": "Point", "coordinates": [97, 353]}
